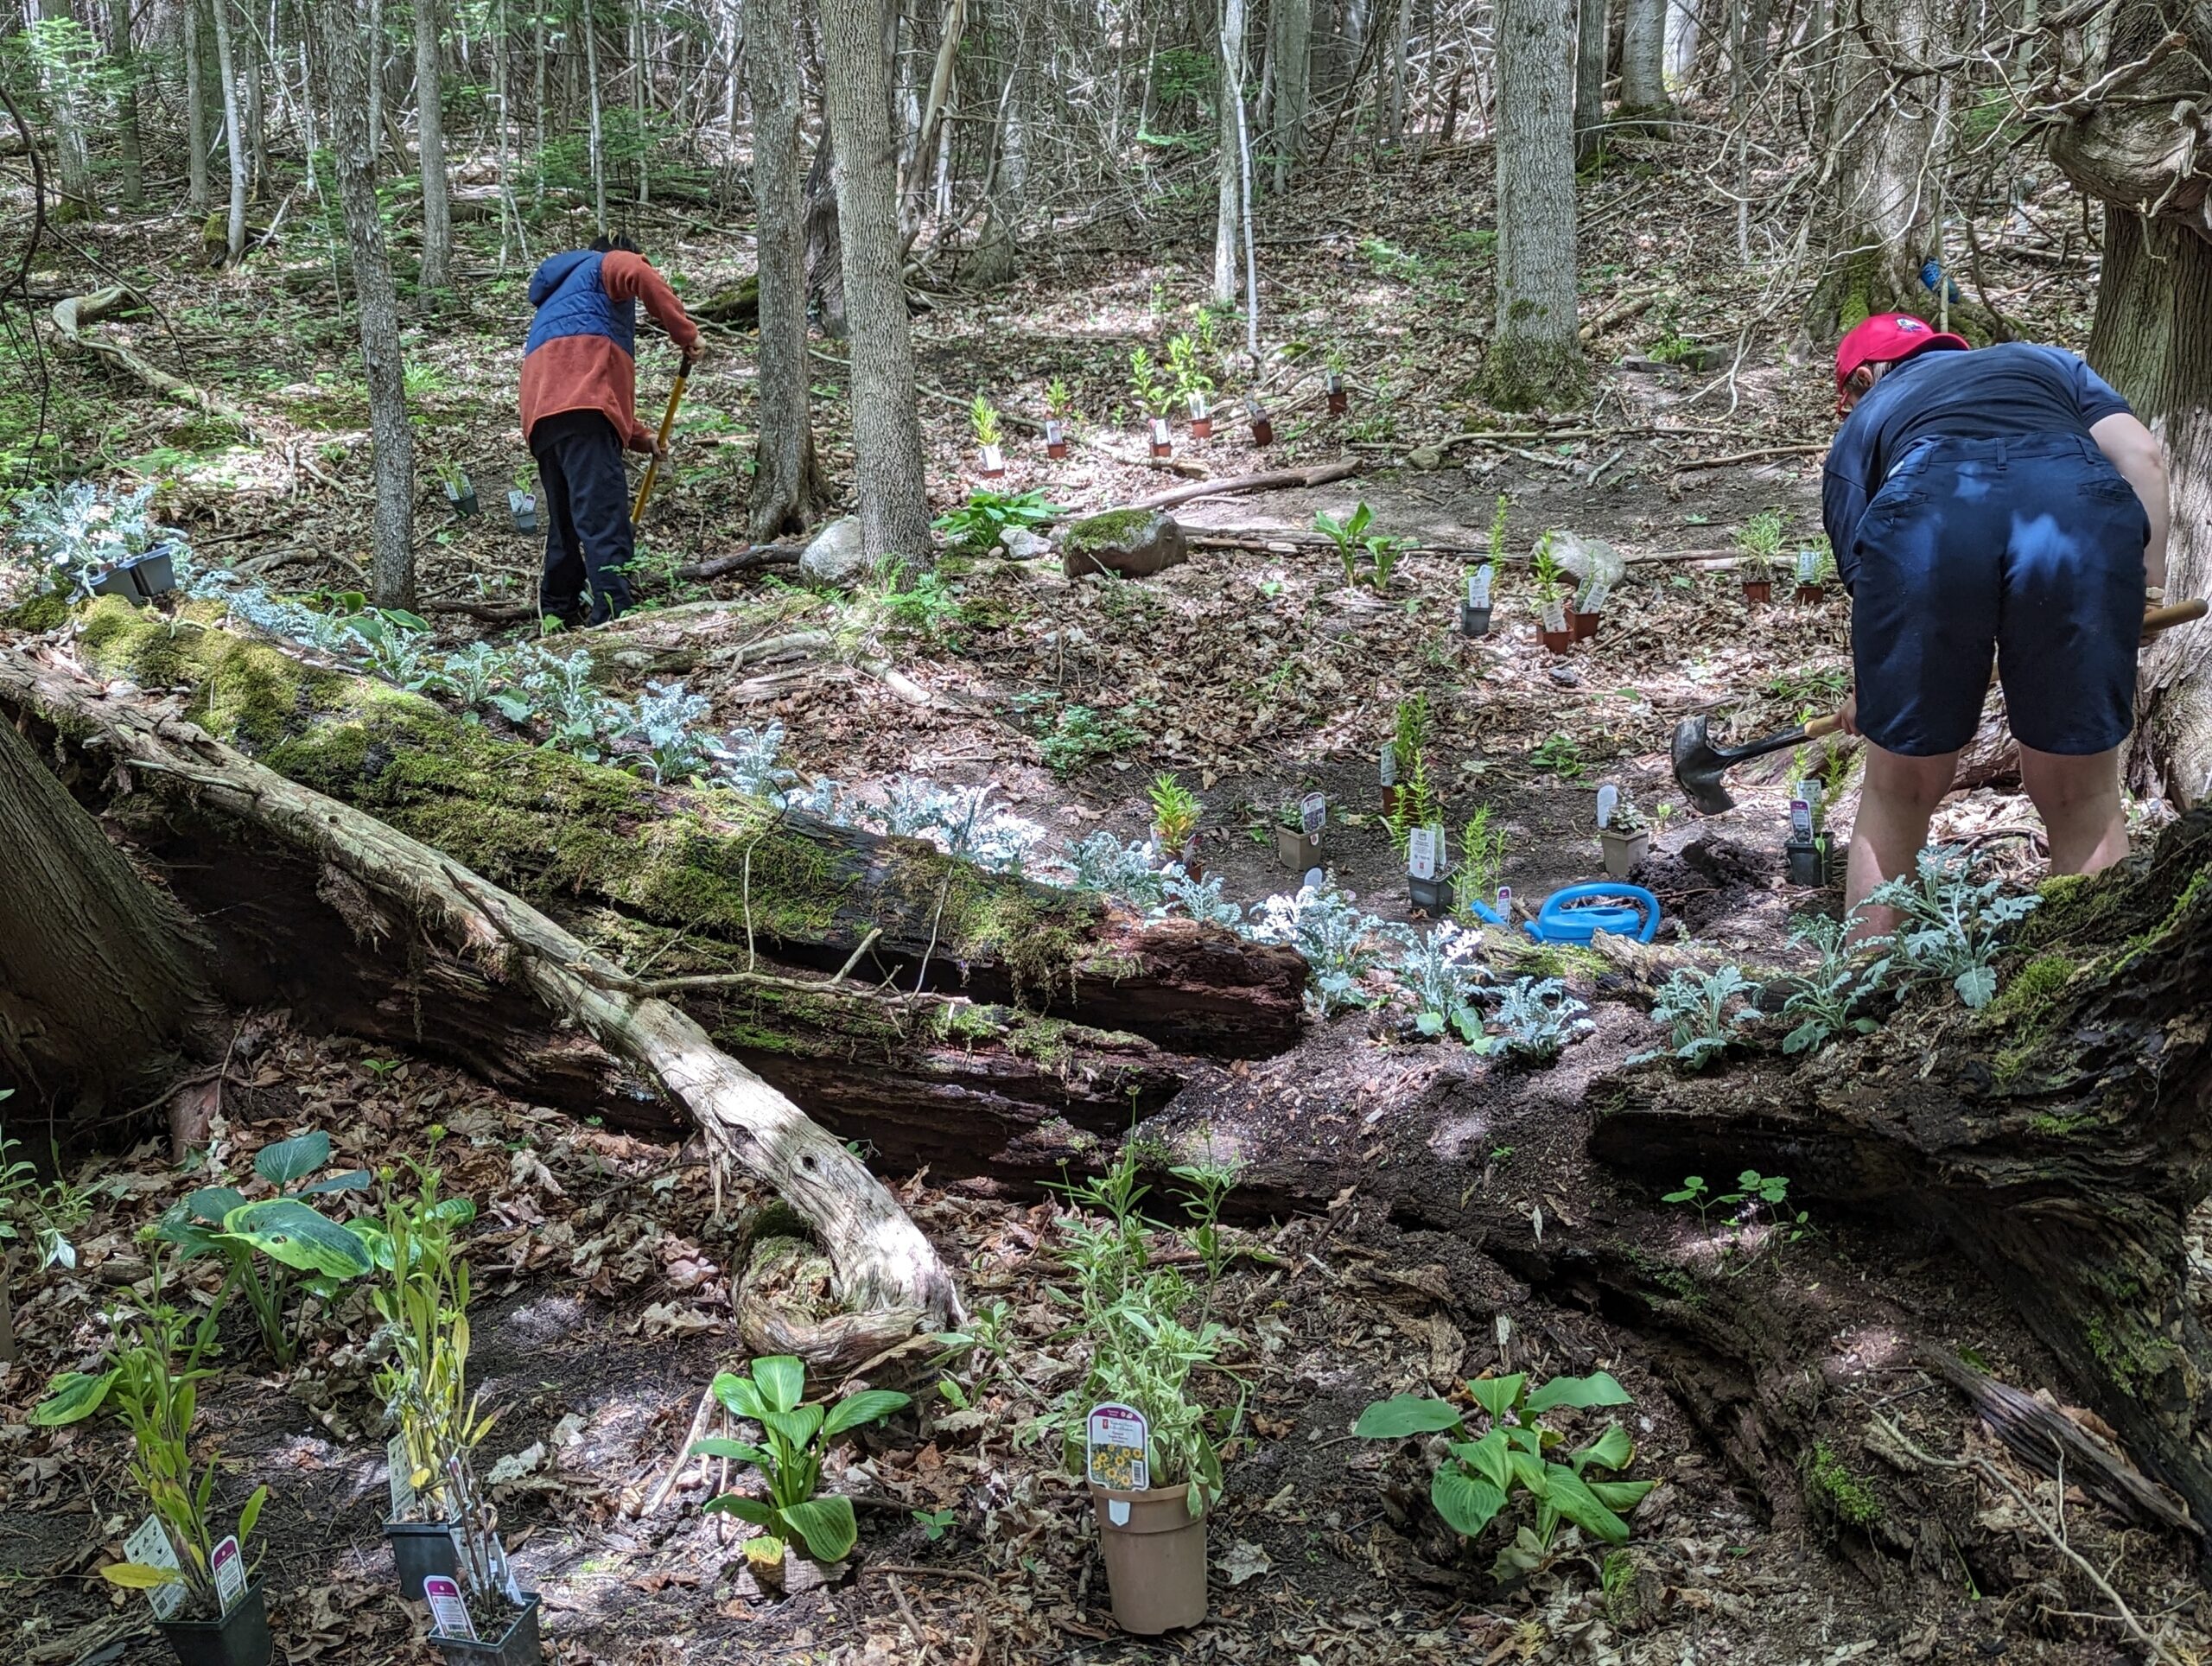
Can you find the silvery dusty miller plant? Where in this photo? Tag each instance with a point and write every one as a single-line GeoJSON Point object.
{"type": "Point", "coordinates": [1952, 926]}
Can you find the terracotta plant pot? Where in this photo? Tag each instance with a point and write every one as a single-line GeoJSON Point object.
{"type": "Point", "coordinates": [517, 1646]}
{"type": "Point", "coordinates": [1155, 1554]}
{"type": "Point", "coordinates": [1297, 850]}
{"type": "Point", "coordinates": [1623, 850]}
{"type": "Point", "coordinates": [1339, 399]}
{"type": "Point", "coordinates": [1263, 430]}
{"type": "Point", "coordinates": [1555, 641]}
{"type": "Point", "coordinates": [1163, 447]}
{"type": "Point", "coordinates": [419, 1550]}
{"type": "Point", "coordinates": [1812, 595]}
{"type": "Point", "coordinates": [1056, 438]}
{"type": "Point", "coordinates": [239, 1638]}
{"type": "Point", "coordinates": [993, 465]}
{"type": "Point", "coordinates": [1758, 589]}
{"type": "Point", "coordinates": [1581, 627]}
{"type": "Point", "coordinates": [1201, 418]}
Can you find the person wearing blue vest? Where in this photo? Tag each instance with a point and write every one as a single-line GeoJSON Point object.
{"type": "Point", "coordinates": [580, 413]}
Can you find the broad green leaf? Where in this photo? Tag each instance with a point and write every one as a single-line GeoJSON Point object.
{"type": "Point", "coordinates": [1496, 1395]}
{"type": "Point", "coordinates": [288, 1232]}
{"type": "Point", "coordinates": [825, 1526]}
{"type": "Point", "coordinates": [758, 1511]}
{"type": "Point", "coordinates": [1468, 1502]}
{"type": "Point", "coordinates": [211, 1203]}
{"type": "Point", "coordinates": [1619, 1496]}
{"type": "Point", "coordinates": [74, 1397]}
{"type": "Point", "coordinates": [252, 1513]}
{"type": "Point", "coordinates": [1491, 1457]}
{"type": "Point", "coordinates": [294, 1158]}
{"type": "Point", "coordinates": [1573, 1499]}
{"type": "Point", "coordinates": [715, 1445]}
{"type": "Point", "coordinates": [1530, 1472]}
{"type": "Point", "coordinates": [140, 1576]}
{"type": "Point", "coordinates": [869, 1406]}
{"type": "Point", "coordinates": [1596, 1389]}
{"type": "Point", "coordinates": [799, 1426]}
{"type": "Point", "coordinates": [354, 1180]}
{"type": "Point", "coordinates": [739, 1395]}
{"type": "Point", "coordinates": [1403, 1414]}
{"type": "Point", "coordinates": [782, 1379]}
{"type": "Point", "coordinates": [1612, 1450]}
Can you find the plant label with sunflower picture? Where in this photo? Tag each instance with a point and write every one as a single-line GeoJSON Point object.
{"type": "Point", "coordinates": [150, 1547]}
{"type": "Point", "coordinates": [1114, 1439]}
{"type": "Point", "coordinates": [448, 1613]}
{"type": "Point", "coordinates": [399, 1475]}
{"type": "Point", "coordinates": [227, 1564]}
{"type": "Point", "coordinates": [1312, 814]}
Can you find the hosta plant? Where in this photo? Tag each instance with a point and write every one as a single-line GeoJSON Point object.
{"type": "Point", "coordinates": [794, 1438]}
{"type": "Point", "coordinates": [1516, 1453]}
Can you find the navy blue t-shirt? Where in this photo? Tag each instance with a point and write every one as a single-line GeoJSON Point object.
{"type": "Point", "coordinates": [2016, 388]}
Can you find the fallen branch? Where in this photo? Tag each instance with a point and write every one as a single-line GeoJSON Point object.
{"type": "Point", "coordinates": [1271, 480]}
{"type": "Point", "coordinates": [1763, 452]}
{"type": "Point", "coordinates": [750, 559]}
{"type": "Point", "coordinates": [71, 317]}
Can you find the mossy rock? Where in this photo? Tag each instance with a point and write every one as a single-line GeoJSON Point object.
{"type": "Point", "coordinates": [1134, 542]}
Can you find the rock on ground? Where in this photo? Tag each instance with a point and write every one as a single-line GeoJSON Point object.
{"type": "Point", "coordinates": [835, 555]}
{"type": "Point", "coordinates": [1135, 542]}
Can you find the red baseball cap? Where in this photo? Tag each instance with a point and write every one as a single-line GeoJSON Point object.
{"type": "Point", "coordinates": [1885, 338]}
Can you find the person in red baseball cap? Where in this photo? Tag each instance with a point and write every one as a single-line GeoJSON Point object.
{"type": "Point", "coordinates": [1995, 502]}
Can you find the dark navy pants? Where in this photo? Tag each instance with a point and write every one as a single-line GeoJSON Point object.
{"type": "Point", "coordinates": [2030, 548]}
{"type": "Point", "coordinates": [587, 498]}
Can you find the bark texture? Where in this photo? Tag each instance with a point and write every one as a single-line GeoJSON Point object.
{"type": "Point", "coordinates": [234, 140]}
{"type": "Point", "coordinates": [1535, 358]}
{"type": "Point", "coordinates": [894, 510]}
{"type": "Point", "coordinates": [343, 69]}
{"type": "Point", "coordinates": [196, 107]}
{"type": "Point", "coordinates": [98, 975]}
{"type": "Point", "coordinates": [1290, 56]}
{"type": "Point", "coordinates": [1229, 193]}
{"type": "Point", "coordinates": [1643, 60]}
{"type": "Point", "coordinates": [785, 482]}
{"type": "Point", "coordinates": [1880, 178]}
{"type": "Point", "coordinates": [1589, 81]}
{"type": "Point", "coordinates": [430, 150]}
{"type": "Point", "coordinates": [130, 165]}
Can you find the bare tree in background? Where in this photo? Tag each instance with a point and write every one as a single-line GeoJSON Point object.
{"type": "Point", "coordinates": [785, 478]}
{"type": "Point", "coordinates": [233, 136]}
{"type": "Point", "coordinates": [1589, 81]}
{"type": "Point", "coordinates": [1881, 193]}
{"type": "Point", "coordinates": [431, 145]}
{"type": "Point", "coordinates": [1535, 358]}
{"type": "Point", "coordinates": [1643, 61]}
{"type": "Point", "coordinates": [894, 508]}
{"type": "Point", "coordinates": [130, 162]}
{"type": "Point", "coordinates": [1231, 193]}
{"type": "Point", "coordinates": [196, 196]}
{"type": "Point", "coordinates": [343, 66]}
{"type": "Point", "coordinates": [1290, 57]}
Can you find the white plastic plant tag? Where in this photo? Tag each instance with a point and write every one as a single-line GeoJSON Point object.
{"type": "Point", "coordinates": [1115, 1438]}
{"type": "Point", "coordinates": [150, 1548]}
{"type": "Point", "coordinates": [228, 1566]}
{"type": "Point", "coordinates": [1809, 567]}
{"type": "Point", "coordinates": [448, 1613]}
{"type": "Point", "coordinates": [399, 1476]}
{"type": "Point", "coordinates": [1505, 903]}
{"type": "Point", "coordinates": [1160, 430]}
{"type": "Point", "coordinates": [1117, 1511]}
{"type": "Point", "coordinates": [1386, 768]}
{"type": "Point", "coordinates": [503, 1573]}
{"type": "Point", "coordinates": [1478, 585]}
{"type": "Point", "coordinates": [1312, 814]}
{"type": "Point", "coordinates": [1801, 819]}
{"type": "Point", "coordinates": [1421, 848]}
{"type": "Point", "coordinates": [993, 460]}
{"type": "Point", "coordinates": [1555, 616]}
{"type": "Point", "coordinates": [1809, 790]}
{"type": "Point", "coordinates": [1315, 878]}
{"type": "Point", "coordinates": [1055, 431]}
{"type": "Point", "coordinates": [1609, 798]}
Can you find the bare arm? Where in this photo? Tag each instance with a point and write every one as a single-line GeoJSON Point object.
{"type": "Point", "coordinates": [2133, 450]}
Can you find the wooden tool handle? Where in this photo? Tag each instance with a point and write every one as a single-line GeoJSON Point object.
{"type": "Point", "coordinates": [1817, 727]}
{"type": "Point", "coordinates": [2173, 614]}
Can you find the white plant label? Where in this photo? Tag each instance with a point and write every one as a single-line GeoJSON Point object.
{"type": "Point", "coordinates": [1314, 877]}
{"type": "Point", "coordinates": [1809, 567]}
{"type": "Point", "coordinates": [1594, 599]}
{"type": "Point", "coordinates": [1801, 819]}
{"type": "Point", "coordinates": [150, 1548]}
{"type": "Point", "coordinates": [993, 460]}
{"type": "Point", "coordinates": [399, 1474]}
{"type": "Point", "coordinates": [1115, 1438]}
{"type": "Point", "coordinates": [1160, 430]}
{"type": "Point", "coordinates": [1809, 790]}
{"type": "Point", "coordinates": [1424, 845]}
{"type": "Point", "coordinates": [1554, 617]}
{"type": "Point", "coordinates": [228, 1566]}
{"type": "Point", "coordinates": [1609, 798]}
{"type": "Point", "coordinates": [1505, 903]}
{"type": "Point", "coordinates": [448, 1613]}
{"type": "Point", "coordinates": [1478, 584]}
{"type": "Point", "coordinates": [1387, 766]}
{"type": "Point", "coordinates": [1312, 814]}
{"type": "Point", "coordinates": [1055, 431]}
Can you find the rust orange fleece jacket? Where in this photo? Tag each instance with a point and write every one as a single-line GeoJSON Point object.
{"type": "Point", "coordinates": [581, 352]}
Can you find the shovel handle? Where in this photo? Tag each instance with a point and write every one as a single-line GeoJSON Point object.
{"type": "Point", "coordinates": [667, 427]}
{"type": "Point", "coordinates": [1817, 727]}
{"type": "Point", "coordinates": [2178, 613]}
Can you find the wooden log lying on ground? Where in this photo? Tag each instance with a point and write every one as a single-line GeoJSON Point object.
{"type": "Point", "coordinates": [73, 319]}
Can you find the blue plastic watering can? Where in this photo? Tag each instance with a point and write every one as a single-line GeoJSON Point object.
{"type": "Point", "coordinates": [1578, 913]}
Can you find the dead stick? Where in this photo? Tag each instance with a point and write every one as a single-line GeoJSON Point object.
{"type": "Point", "coordinates": [707, 1403]}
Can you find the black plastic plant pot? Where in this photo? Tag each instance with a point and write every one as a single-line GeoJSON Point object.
{"type": "Point", "coordinates": [118, 582]}
{"type": "Point", "coordinates": [463, 497]}
{"type": "Point", "coordinates": [420, 1550]}
{"type": "Point", "coordinates": [1432, 897]}
{"type": "Point", "coordinates": [518, 1647]}
{"type": "Point", "coordinates": [239, 1638]}
{"type": "Point", "coordinates": [1473, 620]}
{"type": "Point", "coordinates": [155, 572]}
{"type": "Point", "coordinates": [1808, 861]}
{"type": "Point", "coordinates": [522, 506]}
{"type": "Point", "coordinates": [1339, 399]}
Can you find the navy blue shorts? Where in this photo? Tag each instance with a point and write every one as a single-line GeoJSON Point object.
{"type": "Point", "coordinates": [2030, 548]}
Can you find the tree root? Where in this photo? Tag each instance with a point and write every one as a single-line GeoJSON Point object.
{"type": "Point", "coordinates": [73, 316]}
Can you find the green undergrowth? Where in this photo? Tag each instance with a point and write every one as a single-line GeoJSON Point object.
{"type": "Point", "coordinates": [560, 831]}
{"type": "Point", "coordinates": [1849, 1498]}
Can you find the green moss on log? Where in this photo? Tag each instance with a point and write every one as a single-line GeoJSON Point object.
{"type": "Point", "coordinates": [39, 612]}
{"type": "Point", "coordinates": [1847, 1496]}
{"type": "Point", "coordinates": [1110, 530]}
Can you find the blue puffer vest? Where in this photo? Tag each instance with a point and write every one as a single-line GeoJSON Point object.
{"type": "Point", "coordinates": [571, 301]}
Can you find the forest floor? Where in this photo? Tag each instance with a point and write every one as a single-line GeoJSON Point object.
{"type": "Point", "coordinates": [1255, 673]}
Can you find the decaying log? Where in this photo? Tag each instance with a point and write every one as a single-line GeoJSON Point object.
{"type": "Point", "coordinates": [882, 1261]}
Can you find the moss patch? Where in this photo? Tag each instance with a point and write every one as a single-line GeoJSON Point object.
{"type": "Point", "coordinates": [1113, 529]}
{"type": "Point", "coordinates": [1851, 1499]}
{"type": "Point", "coordinates": [40, 612]}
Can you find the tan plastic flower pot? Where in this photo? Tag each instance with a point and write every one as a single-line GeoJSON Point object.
{"type": "Point", "coordinates": [1155, 1554]}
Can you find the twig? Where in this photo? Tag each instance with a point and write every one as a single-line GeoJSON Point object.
{"type": "Point", "coordinates": [1750, 457]}
{"type": "Point", "coordinates": [707, 1403]}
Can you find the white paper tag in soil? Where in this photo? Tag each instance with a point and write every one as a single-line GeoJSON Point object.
{"type": "Point", "coordinates": [228, 1566]}
{"type": "Point", "coordinates": [399, 1472]}
{"type": "Point", "coordinates": [1387, 766]}
{"type": "Point", "coordinates": [1609, 798]}
{"type": "Point", "coordinates": [1801, 819]}
{"type": "Point", "coordinates": [150, 1547]}
{"type": "Point", "coordinates": [1114, 1439]}
{"type": "Point", "coordinates": [448, 1613]}
{"type": "Point", "coordinates": [1312, 814]}
{"type": "Point", "coordinates": [1424, 846]}
{"type": "Point", "coordinates": [1478, 584]}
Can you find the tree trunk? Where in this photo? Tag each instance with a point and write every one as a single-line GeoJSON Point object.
{"type": "Point", "coordinates": [196, 109]}
{"type": "Point", "coordinates": [1683, 34]}
{"type": "Point", "coordinates": [431, 148]}
{"type": "Point", "coordinates": [1290, 50]}
{"type": "Point", "coordinates": [255, 106]}
{"type": "Point", "coordinates": [1230, 192]}
{"type": "Point", "coordinates": [1643, 61]}
{"type": "Point", "coordinates": [825, 249]}
{"type": "Point", "coordinates": [344, 69]}
{"type": "Point", "coordinates": [597, 138]}
{"type": "Point", "coordinates": [99, 975]}
{"type": "Point", "coordinates": [1589, 81]}
{"type": "Point", "coordinates": [233, 138]}
{"type": "Point", "coordinates": [1535, 358]}
{"type": "Point", "coordinates": [130, 153]}
{"type": "Point", "coordinates": [785, 480]}
{"type": "Point", "coordinates": [64, 56]}
{"type": "Point", "coordinates": [894, 510]}
{"type": "Point", "coordinates": [1881, 194]}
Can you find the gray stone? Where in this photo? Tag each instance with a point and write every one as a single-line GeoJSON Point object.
{"type": "Point", "coordinates": [1134, 542]}
{"type": "Point", "coordinates": [835, 556]}
{"type": "Point", "coordinates": [1022, 544]}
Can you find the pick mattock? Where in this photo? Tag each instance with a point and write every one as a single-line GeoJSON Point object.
{"type": "Point", "coordinates": [1700, 764]}
{"type": "Point", "coordinates": [667, 427]}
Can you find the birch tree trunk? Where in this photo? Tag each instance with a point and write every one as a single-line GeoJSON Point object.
{"type": "Point", "coordinates": [1232, 93]}
{"type": "Point", "coordinates": [430, 147]}
{"type": "Point", "coordinates": [1684, 30]}
{"type": "Point", "coordinates": [234, 140]}
{"type": "Point", "coordinates": [1535, 358]}
{"type": "Point", "coordinates": [1589, 81]}
{"type": "Point", "coordinates": [785, 478]}
{"type": "Point", "coordinates": [597, 143]}
{"type": "Point", "coordinates": [196, 197]}
{"type": "Point", "coordinates": [894, 510]}
{"type": "Point", "coordinates": [1290, 50]}
{"type": "Point", "coordinates": [344, 68]}
{"type": "Point", "coordinates": [1644, 56]}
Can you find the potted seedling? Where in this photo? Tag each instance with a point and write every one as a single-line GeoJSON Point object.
{"type": "Point", "coordinates": [1403, 760]}
{"type": "Point", "coordinates": [1175, 810]}
{"type": "Point", "coordinates": [423, 1299]}
{"type": "Point", "coordinates": [795, 1437]}
{"type": "Point", "coordinates": [205, 1598]}
{"type": "Point", "coordinates": [1298, 832]}
{"type": "Point", "coordinates": [1263, 426]}
{"type": "Point", "coordinates": [1155, 398]}
{"type": "Point", "coordinates": [522, 502]}
{"type": "Point", "coordinates": [1810, 850]}
{"type": "Point", "coordinates": [1815, 567]}
{"type": "Point", "coordinates": [1623, 834]}
{"type": "Point", "coordinates": [460, 492]}
{"type": "Point", "coordinates": [1474, 611]}
{"type": "Point", "coordinates": [1759, 542]}
{"type": "Point", "coordinates": [1552, 629]}
{"type": "Point", "coordinates": [1428, 878]}
{"type": "Point", "coordinates": [983, 418]}
{"type": "Point", "coordinates": [1193, 385]}
{"type": "Point", "coordinates": [1588, 610]}
{"type": "Point", "coordinates": [1482, 867]}
{"type": "Point", "coordinates": [1058, 411]}
{"type": "Point", "coordinates": [1333, 383]}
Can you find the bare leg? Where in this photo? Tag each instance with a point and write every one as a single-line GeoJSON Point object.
{"type": "Point", "coordinates": [1899, 796]}
{"type": "Point", "coordinates": [2079, 800]}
